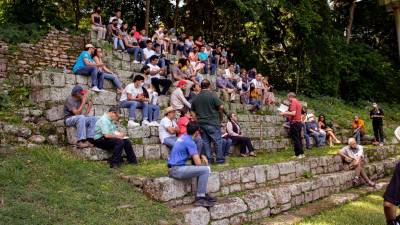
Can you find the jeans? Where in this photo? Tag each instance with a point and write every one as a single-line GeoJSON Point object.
{"type": "Point", "coordinates": [161, 63]}
{"type": "Point", "coordinates": [132, 105]}
{"type": "Point", "coordinates": [255, 102]}
{"type": "Point", "coordinates": [165, 83]}
{"type": "Point", "coordinates": [205, 66]}
{"type": "Point", "coordinates": [154, 112]}
{"type": "Point", "coordinates": [226, 146]}
{"type": "Point", "coordinates": [357, 136]}
{"type": "Point", "coordinates": [213, 69]}
{"type": "Point", "coordinates": [96, 77]}
{"type": "Point", "coordinates": [117, 145]}
{"type": "Point", "coordinates": [378, 132]}
{"type": "Point", "coordinates": [135, 51]}
{"type": "Point", "coordinates": [170, 141]}
{"type": "Point", "coordinates": [85, 126]}
{"type": "Point", "coordinates": [306, 136]}
{"type": "Point", "coordinates": [212, 133]}
{"type": "Point", "coordinates": [319, 138]}
{"type": "Point", "coordinates": [244, 142]}
{"type": "Point", "coordinates": [295, 135]}
{"type": "Point", "coordinates": [117, 42]}
{"type": "Point", "coordinates": [188, 172]}
{"type": "Point", "coordinates": [199, 144]}
{"type": "Point", "coordinates": [113, 78]}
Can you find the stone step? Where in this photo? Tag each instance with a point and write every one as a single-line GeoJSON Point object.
{"type": "Point", "coordinates": [227, 182]}
{"type": "Point", "coordinates": [265, 202]}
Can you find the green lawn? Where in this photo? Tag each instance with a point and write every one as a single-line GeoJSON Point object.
{"type": "Point", "coordinates": [50, 186]}
{"type": "Point", "coordinates": [367, 210]}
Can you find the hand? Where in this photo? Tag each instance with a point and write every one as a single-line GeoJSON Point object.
{"type": "Point", "coordinates": [282, 114]}
{"type": "Point", "coordinates": [204, 159]}
{"type": "Point", "coordinates": [348, 159]}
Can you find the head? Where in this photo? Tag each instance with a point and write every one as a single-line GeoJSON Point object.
{"type": "Point", "coordinates": [125, 26]}
{"type": "Point", "coordinates": [113, 113]}
{"type": "Point", "coordinates": [356, 118]}
{"type": "Point", "coordinates": [170, 113]}
{"type": "Point", "coordinates": [192, 128]}
{"type": "Point", "coordinates": [90, 48]}
{"type": "Point", "coordinates": [97, 9]}
{"type": "Point", "coordinates": [185, 111]}
{"type": "Point", "coordinates": [243, 72]}
{"type": "Point", "coordinates": [232, 117]}
{"type": "Point", "coordinates": [182, 62]}
{"type": "Point", "coordinates": [190, 37]}
{"type": "Point", "coordinates": [138, 80]}
{"type": "Point", "coordinates": [157, 48]}
{"type": "Point", "coordinates": [133, 29]}
{"type": "Point", "coordinates": [199, 38]}
{"type": "Point", "coordinates": [98, 52]}
{"type": "Point", "coordinates": [143, 32]}
{"type": "Point", "coordinates": [145, 70]}
{"type": "Point", "coordinates": [205, 85]}
{"type": "Point", "coordinates": [182, 84]}
{"type": "Point", "coordinates": [259, 77]}
{"type": "Point", "coordinates": [375, 105]}
{"type": "Point", "coordinates": [202, 49]}
{"type": "Point", "coordinates": [231, 67]}
{"type": "Point", "coordinates": [196, 88]}
{"type": "Point", "coordinates": [115, 22]}
{"type": "Point", "coordinates": [149, 44]}
{"type": "Point", "coordinates": [154, 60]}
{"type": "Point", "coordinates": [291, 95]}
{"type": "Point", "coordinates": [77, 92]}
{"type": "Point", "coordinates": [321, 118]}
{"type": "Point", "coordinates": [352, 143]}
{"type": "Point", "coordinates": [117, 13]}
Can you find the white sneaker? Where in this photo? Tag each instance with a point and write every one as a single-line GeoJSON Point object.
{"type": "Point", "coordinates": [96, 89]}
{"type": "Point", "coordinates": [143, 62]}
{"type": "Point", "coordinates": [381, 144]}
{"type": "Point", "coordinates": [301, 156]}
{"type": "Point", "coordinates": [145, 122]}
{"type": "Point", "coordinates": [154, 124]}
{"type": "Point", "coordinates": [136, 62]}
{"type": "Point", "coordinates": [132, 123]}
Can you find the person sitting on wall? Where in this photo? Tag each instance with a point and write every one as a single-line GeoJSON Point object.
{"type": "Point", "coordinates": [107, 137]}
{"type": "Point", "coordinates": [178, 100]}
{"type": "Point", "coordinates": [155, 74]}
{"type": "Point", "coordinates": [85, 65]}
{"type": "Point", "coordinates": [76, 110]}
{"type": "Point", "coordinates": [322, 125]}
{"type": "Point", "coordinates": [168, 128]}
{"type": "Point", "coordinates": [318, 135]}
{"type": "Point", "coordinates": [358, 126]}
{"type": "Point", "coordinates": [353, 155]}
{"type": "Point", "coordinates": [107, 73]}
{"type": "Point", "coordinates": [235, 134]}
{"type": "Point", "coordinates": [185, 149]}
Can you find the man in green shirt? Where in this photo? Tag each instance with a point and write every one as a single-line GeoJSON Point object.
{"type": "Point", "coordinates": [208, 109]}
{"type": "Point", "coordinates": [107, 137]}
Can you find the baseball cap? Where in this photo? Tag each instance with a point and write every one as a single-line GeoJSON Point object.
{"type": "Point", "coordinates": [181, 83]}
{"type": "Point", "coordinates": [78, 89]}
{"type": "Point", "coordinates": [89, 46]}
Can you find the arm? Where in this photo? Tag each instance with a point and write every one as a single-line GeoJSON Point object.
{"type": "Point", "coordinates": [292, 113]}
{"type": "Point", "coordinates": [155, 71]}
{"type": "Point", "coordinates": [183, 99]}
{"type": "Point", "coordinates": [229, 129]}
{"type": "Point", "coordinates": [89, 105]}
{"type": "Point", "coordinates": [126, 43]}
{"type": "Point", "coordinates": [344, 157]}
{"type": "Point", "coordinates": [88, 63]}
{"type": "Point", "coordinates": [92, 18]}
{"type": "Point", "coordinates": [79, 110]}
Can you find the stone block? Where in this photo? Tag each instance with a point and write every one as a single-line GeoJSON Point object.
{"type": "Point", "coordinates": [196, 216]}
{"type": "Point", "coordinates": [227, 208]}
{"type": "Point", "coordinates": [139, 132]}
{"type": "Point", "coordinates": [247, 174]}
{"type": "Point", "coordinates": [213, 183]}
{"type": "Point", "coordinates": [261, 214]}
{"type": "Point", "coordinates": [105, 98]}
{"type": "Point", "coordinates": [80, 79]}
{"type": "Point", "coordinates": [238, 219]}
{"type": "Point", "coordinates": [229, 177]}
{"type": "Point", "coordinates": [70, 79]}
{"type": "Point", "coordinates": [49, 79]}
{"type": "Point", "coordinates": [152, 152]}
{"type": "Point", "coordinates": [55, 113]}
{"type": "Point", "coordinates": [235, 188]}
{"type": "Point", "coordinates": [151, 140]}
{"type": "Point", "coordinates": [272, 172]}
{"type": "Point", "coordinates": [260, 173]}
{"type": "Point", "coordinates": [286, 168]}
{"type": "Point", "coordinates": [71, 135]}
{"type": "Point", "coordinates": [282, 195]}
{"type": "Point", "coordinates": [138, 149]}
{"type": "Point", "coordinates": [256, 201]}
{"type": "Point", "coordinates": [125, 65]}
{"type": "Point", "coordinates": [164, 152]}
{"type": "Point", "coordinates": [92, 153]}
{"type": "Point", "coordinates": [165, 189]}
{"type": "Point", "coordinates": [99, 110]}
{"type": "Point", "coordinates": [221, 222]}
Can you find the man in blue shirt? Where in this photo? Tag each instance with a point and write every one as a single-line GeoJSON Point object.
{"type": "Point", "coordinates": [184, 149]}
{"type": "Point", "coordinates": [203, 57]}
{"type": "Point", "coordinates": [86, 66]}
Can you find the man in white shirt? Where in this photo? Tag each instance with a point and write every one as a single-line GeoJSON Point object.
{"type": "Point", "coordinates": [135, 96]}
{"type": "Point", "coordinates": [230, 75]}
{"type": "Point", "coordinates": [168, 128]}
{"type": "Point", "coordinates": [189, 44]}
{"type": "Point", "coordinates": [178, 100]}
{"type": "Point", "coordinates": [155, 76]}
{"type": "Point", "coordinates": [148, 51]}
{"type": "Point", "coordinates": [117, 15]}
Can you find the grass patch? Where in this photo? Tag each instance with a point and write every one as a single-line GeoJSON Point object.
{"type": "Point", "coordinates": [366, 210]}
{"type": "Point", "coordinates": [46, 185]}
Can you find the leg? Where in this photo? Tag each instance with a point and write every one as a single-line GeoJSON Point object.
{"type": "Point", "coordinates": [206, 143]}
{"type": "Point", "coordinates": [100, 80]}
{"type": "Point", "coordinates": [306, 137]}
{"type": "Point", "coordinates": [130, 154]}
{"type": "Point", "coordinates": [89, 71]}
{"type": "Point", "coordinates": [376, 131]}
{"type": "Point", "coordinates": [117, 151]}
{"type": "Point", "coordinates": [315, 137]}
{"type": "Point", "coordinates": [381, 134]}
{"type": "Point", "coordinates": [121, 43]}
{"type": "Point", "coordinates": [215, 134]}
{"type": "Point", "coordinates": [170, 142]}
{"type": "Point", "coordinates": [188, 172]}
{"type": "Point", "coordinates": [357, 136]}
{"type": "Point", "coordinates": [295, 133]}
{"type": "Point", "coordinates": [131, 105]}
{"type": "Point", "coordinates": [80, 123]}
{"type": "Point", "coordinates": [390, 212]}
{"type": "Point", "coordinates": [115, 43]}
{"type": "Point", "coordinates": [90, 124]}
{"type": "Point", "coordinates": [165, 83]}
{"type": "Point", "coordinates": [114, 79]}
{"type": "Point", "coordinates": [199, 144]}
{"type": "Point", "coordinates": [145, 109]}
{"type": "Point", "coordinates": [156, 84]}
{"type": "Point", "coordinates": [150, 114]}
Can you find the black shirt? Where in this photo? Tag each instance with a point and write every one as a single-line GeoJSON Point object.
{"type": "Point", "coordinates": [392, 193]}
{"type": "Point", "coordinates": [376, 112]}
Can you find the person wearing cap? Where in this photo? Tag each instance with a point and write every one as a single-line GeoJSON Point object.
{"type": "Point", "coordinates": [109, 138]}
{"type": "Point", "coordinates": [178, 100]}
{"type": "Point", "coordinates": [85, 65]}
{"type": "Point", "coordinates": [294, 116]}
{"type": "Point", "coordinates": [76, 110]}
{"type": "Point", "coordinates": [168, 129]}
{"type": "Point", "coordinates": [377, 116]}
{"type": "Point", "coordinates": [180, 71]}
{"type": "Point", "coordinates": [208, 109]}
{"type": "Point", "coordinates": [358, 126]}
{"type": "Point", "coordinates": [318, 135]}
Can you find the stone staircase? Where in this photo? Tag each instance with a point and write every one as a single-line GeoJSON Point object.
{"type": "Point", "coordinates": [251, 193]}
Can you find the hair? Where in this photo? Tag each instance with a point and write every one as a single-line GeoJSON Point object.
{"type": "Point", "coordinates": [321, 116]}
{"type": "Point", "coordinates": [205, 84]}
{"type": "Point", "coordinates": [153, 57]}
{"type": "Point", "coordinates": [182, 61]}
{"type": "Point", "coordinates": [144, 68]}
{"type": "Point", "coordinates": [122, 27]}
{"type": "Point", "coordinates": [97, 9]}
{"type": "Point", "coordinates": [156, 45]}
{"type": "Point", "coordinates": [184, 110]}
{"type": "Point", "coordinates": [230, 115]}
{"type": "Point", "coordinates": [192, 127]}
{"type": "Point", "coordinates": [114, 20]}
{"type": "Point", "coordinates": [138, 78]}
{"type": "Point", "coordinates": [149, 41]}
{"type": "Point", "coordinates": [114, 109]}
{"type": "Point", "coordinates": [231, 64]}
{"type": "Point", "coordinates": [95, 51]}
{"type": "Point", "coordinates": [117, 10]}
{"type": "Point", "coordinates": [291, 94]}
{"type": "Point", "coordinates": [351, 140]}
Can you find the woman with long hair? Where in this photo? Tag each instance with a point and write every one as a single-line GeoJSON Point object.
{"type": "Point", "coordinates": [330, 134]}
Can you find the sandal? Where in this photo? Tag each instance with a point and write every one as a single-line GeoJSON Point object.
{"type": "Point", "coordinates": [252, 154]}
{"type": "Point", "coordinates": [243, 155]}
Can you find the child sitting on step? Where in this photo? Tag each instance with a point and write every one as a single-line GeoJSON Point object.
{"type": "Point", "coordinates": [153, 107]}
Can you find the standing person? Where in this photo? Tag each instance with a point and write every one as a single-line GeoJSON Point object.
{"type": "Point", "coordinates": [208, 108]}
{"type": "Point", "coordinates": [185, 149]}
{"type": "Point", "coordinates": [392, 198]}
{"type": "Point", "coordinates": [235, 133]}
{"type": "Point", "coordinates": [107, 137]}
{"type": "Point", "coordinates": [168, 129]}
{"type": "Point", "coordinates": [358, 126]}
{"type": "Point", "coordinates": [97, 24]}
{"type": "Point", "coordinates": [294, 116]}
{"type": "Point", "coordinates": [377, 116]}
{"type": "Point", "coordinates": [135, 96]}
{"type": "Point", "coordinates": [76, 110]}
{"type": "Point", "coordinates": [85, 65]}
{"type": "Point", "coordinates": [107, 73]}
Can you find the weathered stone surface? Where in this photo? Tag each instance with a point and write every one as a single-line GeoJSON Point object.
{"type": "Point", "coordinates": [55, 113]}
{"type": "Point", "coordinates": [92, 153]}
{"type": "Point", "coordinates": [36, 112]}
{"type": "Point", "coordinates": [165, 188]}
{"type": "Point", "coordinates": [221, 222]}
{"type": "Point", "coordinates": [138, 150]}
{"type": "Point", "coordinates": [256, 201]}
{"type": "Point", "coordinates": [272, 172]}
{"type": "Point", "coordinates": [10, 129]}
{"type": "Point", "coordinates": [282, 195]}
{"type": "Point", "coordinates": [152, 152]}
{"type": "Point", "coordinates": [71, 135]}
{"type": "Point", "coordinates": [228, 207]}
{"type": "Point", "coordinates": [24, 132]}
{"type": "Point", "coordinates": [229, 177]}
{"type": "Point", "coordinates": [286, 168]}
{"type": "Point", "coordinates": [247, 174]}
{"type": "Point", "coordinates": [37, 139]}
{"type": "Point", "coordinates": [196, 216]}
{"type": "Point", "coordinates": [213, 183]}
{"type": "Point", "coordinates": [164, 152]}
{"type": "Point", "coordinates": [105, 98]}
{"type": "Point", "coordinates": [139, 132]}
{"type": "Point", "coordinates": [238, 219]}
{"type": "Point", "coordinates": [260, 173]}
{"type": "Point", "coordinates": [52, 139]}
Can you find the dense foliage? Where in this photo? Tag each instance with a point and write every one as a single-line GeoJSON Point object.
{"type": "Point", "coordinates": [300, 44]}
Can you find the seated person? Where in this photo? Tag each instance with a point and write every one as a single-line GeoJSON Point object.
{"type": "Point", "coordinates": [227, 88]}
{"type": "Point", "coordinates": [168, 128]}
{"type": "Point", "coordinates": [107, 73]}
{"type": "Point", "coordinates": [162, 61]}
{"type": "Point", "coordinates": [114, 34]}
{"type": "Point", "coordinates": [194, 91]}
{"type": "Point", "coordinates": [97, 24]}
{"type": "Point", "coordinates": [180, 48]}
{"type": "Point", "coordinates": [392, 198]}
{"type": "Point", "coordinates": [185, 149]}
{"type": "Point", "coordinates": [154, 108]}
{"type": "Point", "coordinates": [132, 47]}
{"type": "Point", "coordinates": [358, 126]}
{"type": "Point", "coordinates": [353, 155]}
{"type": "Point", "coordinates": [135, 96]}
{"type": "Point", "coordinates": [107, 137]}
{"type": "Point", "coordinates": [155, 75]}
{"type": "Point", "coordinates": [254, 98]}
{"type": "Point", "coordinates": [76, 110]}
{"type": "Point", "coordinates": [330, 134]}
{"type": "Point", "coordinates": [186, 117]}
{"type": "Point", "coordinates": [203, 57]}
{"type": "Point", "coordinates": [258, 84]}
{"type": "Point", "coordinates": [178, 100]}
{"type": "Point", "coordinates": [180, 72]}
{"type": "Point", "coordinates": [85, 65]}
{"type": "Point", "coordinates": [230, 74]}
{"type": "Point", "coordinates": [226, 141]}
{"type": "Point", "coordinates": [148, 51]}
{"type": "Point", "coordinates": [235, 134]}
{"type": "Point", "coordinates": [268, 95]}
{"type": "Point", "coordinates": [318, 135]}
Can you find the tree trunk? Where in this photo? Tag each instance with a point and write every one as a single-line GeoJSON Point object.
{"type": "Point", "coordinates": [176, 13]}
{"type": "Point", "coordinates": [147, 19]}
{"type": "Point", "coordinates": [350, 24]}
{"type": "Point", "coordinates": [76, 11]}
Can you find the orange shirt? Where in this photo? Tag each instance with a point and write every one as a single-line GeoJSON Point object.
{"type": "Point", "coordinates": [359, 123]}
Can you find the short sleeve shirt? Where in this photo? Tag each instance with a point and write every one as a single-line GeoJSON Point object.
{"type": "Point", "coordinates": [352, 153]}
{"type": "Point", "coordinates": [152, 68]}
{"type": "Point", "coordinates": [70, 104]}
{"type": "Point", "coordinates": [104, 125]}
{"type": "Point", "coordinates": [295, 105]}
{"type": "Point", "coordinates": [131, 89]}
{"type": "Point", "coordinates": [80, 63]}
{"type": "Point", "coordinates": [206, 106]}
{"type": "Point", "coordinates": [148, 53]}
{"type": "Point", "coordinates": [182, 123]}
{"type": "Point", "coordinates": [392, 193]}
{"type": "Point", "coordinates": [162, 129]}
{"type": "Point", "coordinates": [203, 56]}
{"type": "Point", "coordinates": [182, 151]}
